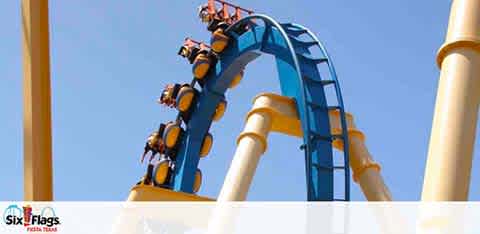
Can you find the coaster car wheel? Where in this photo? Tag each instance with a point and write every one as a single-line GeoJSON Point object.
{"type": "Point", "coordinates": [219, 40]}
{"type": "Point", "coordinates": [171, 134]}
{"type": "Point", "coordinates": [160, 173]}
{"type": "Point", "coordinates": [197, 183]}
{"type": "Point", "coordinates": [185, 98]}
{"type": "Point", "coordinates": [236, 80]}
{"type": "Point", "coordinates": [220, 110]}
{"type": "Point", "coordinates": [206, 145]}
{"type": "Point", "coordinates": [201, 65]}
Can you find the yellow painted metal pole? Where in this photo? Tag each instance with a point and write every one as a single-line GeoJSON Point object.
{"type": "Point", "coordinates": [36, 93]}
{"type": "Point", "coordinates": [366, 172]}
{"type": "Point", "coordinates": [252, 143]}
{"type": "Point", "coordinates": [270, 112]}
{"type": "Point", "coordinates": [447, 172]}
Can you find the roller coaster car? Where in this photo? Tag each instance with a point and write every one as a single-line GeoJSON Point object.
{"type": "Point", "coordinates": [178, 96]}
{"type": "Point", "coordinates": [158, 173]}
{"type": "Point", "coordinates": [198, 54]}
{"type": "Point", "coordinates": [163, 141]}
{"type": "Point", "coordinates": [154, 145]}
{"type": "Point", "coordinates": [162, 171]}
{"type": "Point", "coordinates": [168, 96]}
{"type": "Point", "coordinates": [190, 49]}
{"type": "Point", "coordinates": [220, 18]}
{"type": "Point", "coordinates": [147, 178]}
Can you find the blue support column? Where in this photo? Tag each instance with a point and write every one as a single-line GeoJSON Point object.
{"type": "Point", "coordinates": [188, 156]}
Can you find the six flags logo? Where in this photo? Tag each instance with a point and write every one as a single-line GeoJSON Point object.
{"type": "Point", "coordinates": [44, 221]}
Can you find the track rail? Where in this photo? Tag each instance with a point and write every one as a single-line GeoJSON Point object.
{"type": "Point", "coordinates": [341, 108]}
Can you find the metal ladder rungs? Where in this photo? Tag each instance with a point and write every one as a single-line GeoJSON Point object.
{"type": "Point", "coordinates": [295, 32]}
{"type": "Point", "coordinates": [315, 105]}
{"type": "Point", "coordinates": [314, 140]}
{"type": "Point", "coordinates": [321, 82]}
{"type": "Point", "coordinates": [317, 136]}
{"type": "Point", "coordinates": [305, 44]}
{"type": "Point", "coordinates": [312, 80]}
{"type": "Point", "coordinates": [287, 25]}
{"type": "Point", "coordinates": [328, 167]}
{"type": "Point", "coordinates": [334, 108]}
{"type": "Point", "coordinates": [314, 135]}
{"type": "Point", "coordinates": [312, 59]}
{"type": "Point", "coordinates": [337, 137]}
{"type": "Point", "coordinates": [327, 82]}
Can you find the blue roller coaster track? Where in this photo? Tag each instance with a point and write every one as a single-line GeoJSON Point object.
{"type": "Point", "coordinates": [300, 78]}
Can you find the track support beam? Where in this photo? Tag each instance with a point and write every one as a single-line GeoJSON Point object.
{"type": "Point", "coordinates": [449, 163]}
{"type": "Point", "coordinates": [37, 133]}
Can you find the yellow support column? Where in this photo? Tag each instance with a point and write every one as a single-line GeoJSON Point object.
{"type": "Point", "coordinates": [252, 143]}
{"type": "Point", "coordinates": [36, 93]}
{"type": "Point", "coordinates": [447, 173]}
{"type": "Point", "coordinates": [270, 112]}
{"type": "Point", "coordinates": [366, 172]}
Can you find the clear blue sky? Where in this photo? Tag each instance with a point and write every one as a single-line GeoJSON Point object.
{"type": "Point", "coordinates": [111, 59]}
